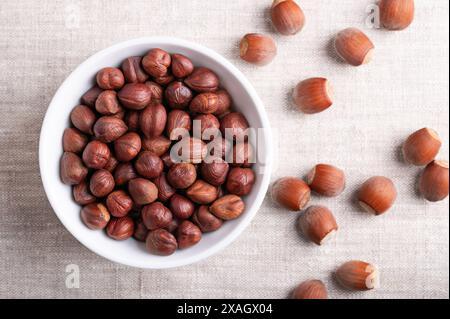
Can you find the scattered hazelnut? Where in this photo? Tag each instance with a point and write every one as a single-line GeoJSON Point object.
{"type": "Point", "coordinates": [358, 275]}
{"type": "Point", "coordinates": [421, 147]}
{"type": "Point", "coordinates": [83, 118]}
{"type": "Point", "coordinates": [107, 129]}
{"type": "Point", "coordinates": [95, 216]}
{"type": "Point", "coordinates": [110, 79]}
{"type": "Point", "coordinates": [291, 193]}
{"type": "Point", "coordinates": [72, 169]}
{"type": "Point", "coordinates": [156, 62]}
{"type": "Point", "coordinates": [178, 95]}
{"type": "Point", "coordinates": [124, 173]}
{"type": "Point", "coordinates": [101, 183]}
{"type": "Point", "coordinates": [258, 49]}
{"type": "Point", "coordinates": [135, 96]}
{"type": "Point", "coordinates": [354, 46]}
{"type": "Point", "coordinates": [377, 195]}
{"type": "Point", "coordinates": [107, 103]}
{"type": "Point", "coordinates": [433, 183]}
{"type": "Point", "coordinates": [148, 165]}
{"type": "Point", "coordinates": [142, 191]}
{"type": "Point", "coordinates": [127, 146]}
{"type": "Point", "coordinates": [96, 155]}
{"type": "Point", "coordinates": [133, 71]}
{"type": "Point", "coordinates": [228, 207]}
{"type": "Point", "coordinates": [202, 80]}
{"type": "Point", "coordinates": [181, 207]}
{"type": "Point", "coordinates": [157, 145]}
{"type": "Point", "coordinates": [91, 96]}
{"type": "Point", "coordinates": [81, 194]}
{"type": "Point", "coordinates": [181, 66]}
{"type": "Point", "coordinates": [240, 181]}
{"type": "Point", "coordinates": [205, 103]}
{"type": "Point", "coordinates": [396, 14]}
{"type": "Point", "coordinates": [178, 124]}
{"type": "Point", "coordinates": [119, 203]}
{"type": "Point", "coordinates": [188, 234]}
{"type": "Point", "coordinates": [313, 95]}
{"type": "Point", "coordinates": [157, 91]}
{"type": "Point", "coordinates": [234, 126]}
{"type": "Point", "coordinates": [215, 171]}
{"type": "Point", "coordinates": [287, 17]}
{"type": "Point", "coordinates": [140, 231]}
{"type": "Point", "coordinates": [153, 120]}
{"type": "Point", "coordinates": [202, 193]}
{"type": "Point", "coordinates": [318, 224]}
{"type": "Point", "coordinates": [156, 216]}
{"type": "Point", "coordinates": [74, 141]}
{"type": "Point", "coordinates": [205, 220]}
{"type": "Point", "coordinates": [223, 104]}
{"type": "Point", "coordinates": [326, 180]}
{"type": "Point", "coordinates": [165, 190]}
{"type": "Point", "coordinates": [120, 228]}
{"type": "Point", "coordinates": [161, 242]}
{"type": "Point", "coordinates": [311, 289]}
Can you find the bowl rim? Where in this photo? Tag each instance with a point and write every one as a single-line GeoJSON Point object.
{"type": "Point", "coordinates": [266, 174]}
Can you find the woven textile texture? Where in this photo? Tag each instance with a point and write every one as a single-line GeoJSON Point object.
{"type": "Point", "coordinates": [404, 88]}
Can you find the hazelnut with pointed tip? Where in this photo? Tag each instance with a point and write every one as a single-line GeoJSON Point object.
{"type": "Point", "coordinates": [291, 193]}
{"type": "Point", "coordinates": [313, 95]}
{"type": "Point", "coordinates": [358, 275]}
{"type": "Point", "coordinates": [318, 224]}
{"type": "Point", "coordinates": [257, 49]}
{"type": "Point", "coordinates": [354, 46]}
{"type": "Point", "coordinates": [326, 180]}
{"type": "Point", "coordinates": [311, 289]}
{"type": "Point", "coordinates": [433, 183]}
{"type": "Point", "coordinates": [287, 17]}
{"type": "Point", "coordinates": [421, 147]}
{"type": "Point", "coordinates": [377, 195]}
{"type": "Point", "coordinates": [396, 14]}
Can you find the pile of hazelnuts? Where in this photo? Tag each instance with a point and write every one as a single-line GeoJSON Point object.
{"type": "Point", "coordinates": [134, 166]}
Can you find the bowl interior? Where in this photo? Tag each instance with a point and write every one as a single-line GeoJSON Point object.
{"type": "Point", "coordinates": [131, 252]}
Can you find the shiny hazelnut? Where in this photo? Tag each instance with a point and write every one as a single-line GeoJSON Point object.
{"type": "Point", "coordinates": [433, 183]}
{"type": "Point", "coordinates": [214, 171]}
{"type": "Point", "coordinates": [421, 147]}
{"type": "Point", "coordinates": [182, 175]}
{"type": "Point", "coordinates": [119, 203]}
{"type": "Point", "coordinates": [178, 124]}
{"type": "Point", "coordinates": [82, 195]}
{"type": "Point", "coordinates": [120, 228]}
{"type": "Point", "coordinates": [234, 126]}
{"type": "Point", "coordinates": [181, 66]}
{"type": "Point", "coordinates": [178, 95]}
{"type": "Point", "coordinates": [243, 155]}
{"type": "Point", "coordinates": [127, 146]}
{"type": "Point", "coordinates": [148, 165]}
{"type": "Point", "coordinates": [142, 191]}
{"type": "Point", "coordinates": [165, 190]}
{"type": "Point", "coordinates": [318, 224]}
{"type": "Point", "coordinates": [257, 49]}
{"type": "Point", "coordinates": [358, 275]}
{"type": "Point", "coordinates": [326, 180]}
{"type": "Point", "coordinates": [181, 207]}
{"type": "Point", "coordinates": [165, 79]}
{"type": "Point", "coordinates": [205, 103]}
{"type": "Point", "coordinates": [354, 46]}
{"type": "Point", "coordinates": [157, 92]}
{"type": "Point", "coordinates": [377, 195]}
{"type": "Point", "coordinates": [124, 173]}
{"type": "Point", "coordinates": [133, 71]}
{"type": "Point", "coordinates": [91, 96]}
{"type": "Point", "coordinates": [188, 234]}
{"type": "Point", "coordinates": [224, 103]}
{"type": "Point", "coordinates": [167, 160]}
{"type": "Point", "coordinates": [202, 80]}
{"type": "Point", "coordinates": [107, 129]}
{"type": "Point", "coordinates": [111, 164]}
{"type": "Point", "coordinates": [95, 216]}
{"type": "Point", "coordinates": [205, 220]}
{"type": "Point", "coordinates": [153, 120]}
{"type": "Point", "coordinates": [313, 95]}
{"type": "Point", "coordinates": [202, 193]}
{"type": "Point", "coordinates": [132, 120]}
{"type": "Point", "coordinates": [107, 103]}
{"type": "Point", "coordinates": [311, 289]}
{"type": "Point", "coordinates": [83, 118]}
{"type": "Point", "coordinates": [96, 155]}
{"type": "Point", "coordinates": [209, 126]}
{"type": "Point", "coordinates": [158, 145]}
{"type": "Point", "coordinates": [110, 79]}
{"type": "Point", "coordinates": [287, 17]}
{"type": "Point", "coordinates": [140, 231]}
{"type": "Point", "coordinates": [156, 62]}
{"type": "Point", "coordinates": [72, 169]}
{"type": "Point", "coordinates": [228, 207]}
{"type": "Point", "coordinates": [161, 242]}
{"type": "Point", "coordinates": [101, 183]}
{"type": "Point", "coordinates": [190, 150]}
{"type": "Point", "coordinates": [135, 96]}
{"type": "Point", "coordinates": [156, 216]}
{"type": "Point", "coordinates": [74, 141]}
{"type": "Point", "coordinates": [396, 14]}
{"type": "Point", "coordinates": [240, 181]}
{"type": "Point", "coordinates": [291, 193]}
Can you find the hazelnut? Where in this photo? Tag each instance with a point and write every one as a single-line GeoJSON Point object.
{"type": "Point", "coordinates": [96, 155]}
{"type": "Point", "coordinates": [206, 221]}
{"type": "Point", "coordinates": [396, 14]}
{"type": "Point", "coordinates": [101, 183]}
{"type": "Point", "coordinates": [219, 147]}
{"type": "Point", "coordinates": [287, 17]}
{"type": "Point", "coordinates": [178, 95]}
{"type": "Point", "coordinates": [127, 146]}
{"type": "Point", "coordinates": [107, 129]}
{"type": "Point", "coordinates": [74, 141]}
{"type": "Point", "coordinates": [181, 66]}
{"type": "Point", "coordinates": [421, 147]}
{"type": "Point", "coordinates": [311, 289]}
{"type": "Point", "coordinates": [182, 175]}
{"type": "Point", "coordinates": [209, 126]}
{"type": "Point", "coordinates": [140, 231]}
{"type": "Point", "coordinates": [156, 62]}
{"type": "Point", "coordinates": [81, 194]}
{"type": "Point", "coordinates": [157, 91]}
{"type": "Point", "coordinates": [188, 234]}
{"type": "Point", "coordinates": [326, 180]}
{"type": "Point", "coordinates": [72, 169]}
{"type": "Point", "coordinates": [124, 173]}
{"type": "Point", "coordinates": [190, 150]}
{"type": "Point", "coordinates": [318, 224]}
{"type": "Point", "coordinates": [202, 80]}
{"type": "Point", "coordinates": [313, 95]}
{"type": "Point", "coordinates": [291, 193]}
{"type": "Point", "coordinates": [120, 228]}
{"type": "Point", "coordinates": [91, 96]}
{"type": "Point", "coordinates": [111, 164]}
{"type": "Point", "coordinates": [181, 207]}
{"type": "Point", "coordinates": [223, 104]}
{"type": "Point", "coordinates": [148, 165]}
{"type": "Point", "coordinates": [107, 103]}
{"type": "Point", "coordinates": [205, 103]}
{"type": "Point", "coordinates": [358, 275]}
{"type": "Point", "coordinates": [83, 118]}
{"type": "Point", "coordinates": [178, 124]}
{"type": "Point", "coordinates": [153, 120]}
{"type": "Point", "coordinates": [240, 181]}
{"type": "Point", "coordinates": [377, 195]}
{"type": "Point", "coordinates": [202, 193]}
{"type": "Point", "coordinates": [214, 171]}
{"type": "Point", "coordinates": [354, 46]}
{"type": "Point", "coordinates": [165, 190]}
{"type": "Point", "coordinates": [157, 145]}
{"type": "Point", "coordinates": [110, 79]}
{"type": "Point", "coordinates": [156, 216]}
{"type": "Point", "coordinates": [433, 183]}
{"type": "Point", "coordinates": [119, 203]}
{"type": "Point", "coordinates": [243, 155]}
{"type": "Point", "coordinates": [95, 216]}
{"type": "Point", "coordinates": [132, 120]}
{"type": "Point", "coordinates": [142, 191]}
{"type": "Point", "coordinates": [133, 71]}
{"type": "Point", "coordinates": [161, 242]}
{"type": "Point", "coordinates": [135, 96]}
{"type": "Point", "coordinates": [257, 48]}
{"type": "Point", "coordinates": [165, 79]}
{"type": "Point", "coordinates": [228, 207]}
{"type": "Point", "coordinates": [234, 126]}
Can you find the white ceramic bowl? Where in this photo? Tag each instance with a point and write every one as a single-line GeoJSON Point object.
{"type": "Point", "coordinates": [131, 252]}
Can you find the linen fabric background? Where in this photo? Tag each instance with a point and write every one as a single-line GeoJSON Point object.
{"type": "Point", "coordinates": [376, 107]}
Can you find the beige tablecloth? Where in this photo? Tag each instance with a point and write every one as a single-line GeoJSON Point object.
{"type": "Point", "coordinates": [377, 106]}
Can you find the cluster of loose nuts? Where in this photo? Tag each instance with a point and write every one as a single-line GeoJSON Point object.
{"type": "Point", "coordinates": [136, 169]}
